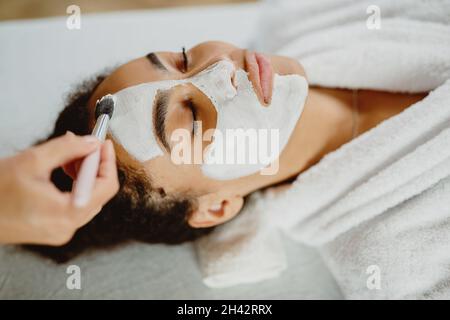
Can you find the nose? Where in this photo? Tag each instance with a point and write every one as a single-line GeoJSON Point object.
{"type": "Point", "coordinates": [227, 79]}
{"type": "Point", "coordinates": [231, 73]}
{"type": "Point", "coordinates": [235, 58]}
{"type": "Point", "coordinates": [228, 75]}
{"type": "Point", "coordinates": [233, 79]}
{"type": "Point", "coordinates": [218, 80]}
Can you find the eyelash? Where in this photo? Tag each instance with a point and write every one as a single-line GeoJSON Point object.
{"type": "Point", "coordinates": [190, 104]}
{"type": "Point", "coordinates": [185, 59]}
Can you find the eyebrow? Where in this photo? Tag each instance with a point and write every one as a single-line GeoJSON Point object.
{"type": "Point", "coordinates": [160, 113]}
{"type": "Point", "coordinates": [155, 61]}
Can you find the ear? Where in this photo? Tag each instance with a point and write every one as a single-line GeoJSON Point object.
{"type": "Point", "coordinates": [214, 209]}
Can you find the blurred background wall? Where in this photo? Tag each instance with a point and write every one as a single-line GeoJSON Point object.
{"type": "Point", "coordinates": [29, 9]}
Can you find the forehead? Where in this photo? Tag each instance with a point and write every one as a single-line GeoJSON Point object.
{"type": "Point", "coordinates": [129, 74]}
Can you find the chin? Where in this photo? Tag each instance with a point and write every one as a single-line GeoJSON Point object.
{"type": "Point", "coordinates": [285, 65]}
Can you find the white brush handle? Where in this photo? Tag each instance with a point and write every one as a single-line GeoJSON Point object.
{"type": "Point", "coordinates": [84, 184]}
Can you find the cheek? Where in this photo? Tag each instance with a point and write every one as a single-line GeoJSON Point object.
{"type": "Point", "coordinates": [173, 178]}
{"type": "Point", "coordinates": [284, 66]}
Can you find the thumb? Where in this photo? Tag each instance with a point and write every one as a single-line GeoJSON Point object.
{"type": "Point", "coordinates": [59, 151]}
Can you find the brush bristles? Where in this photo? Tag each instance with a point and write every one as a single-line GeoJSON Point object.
{"type": "Point", "coordinates": [105, 106]}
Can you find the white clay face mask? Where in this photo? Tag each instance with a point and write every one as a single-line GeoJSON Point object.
{"type": "Point", "coordinates": [238, 109]}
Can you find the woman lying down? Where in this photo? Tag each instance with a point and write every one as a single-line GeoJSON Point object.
{"type": "Point", "coordinates": [172, 107]}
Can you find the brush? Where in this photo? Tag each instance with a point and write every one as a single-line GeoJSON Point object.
{"type": "Point", "coordinates": [84, 183]}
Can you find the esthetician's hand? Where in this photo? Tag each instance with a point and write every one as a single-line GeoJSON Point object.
{"type": "Point", "coordinates": [32, 209]}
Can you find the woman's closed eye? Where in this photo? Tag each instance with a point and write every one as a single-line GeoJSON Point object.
{"type": "Point", "coordinates": [184, 62]}
{"type": "Point", "coordinates": [189, 103]}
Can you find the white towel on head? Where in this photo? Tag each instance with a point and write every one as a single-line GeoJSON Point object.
{"type": "Point", "coordinates": [247, 249]}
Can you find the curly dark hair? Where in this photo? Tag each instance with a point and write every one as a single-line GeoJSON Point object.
{"type": "Point", "coordinates": [138, 212]}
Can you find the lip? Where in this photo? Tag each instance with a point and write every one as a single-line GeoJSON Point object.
{"type": "Point", "coordinates": [260, 73]}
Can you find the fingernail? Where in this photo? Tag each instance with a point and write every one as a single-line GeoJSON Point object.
{"type": "Point", "coordinates": [91, 139]}
{"type": "Point", "coordinates": [110, 147]}
{"type": "Point", "coordinates": [68, 132]}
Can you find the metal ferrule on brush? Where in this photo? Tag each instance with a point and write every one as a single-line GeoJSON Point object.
{"type": "Point", "coordinates": [104, 109]}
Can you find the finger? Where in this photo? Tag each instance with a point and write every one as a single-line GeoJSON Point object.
{"type": "Point", "coordinates": [108, 165]}
{"type": "Point", "coordinates": [105, 187]}
{"type": "Point", "coordinates": [61, 150]}
{"type": "Point", "coordinates": [107, 182]}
